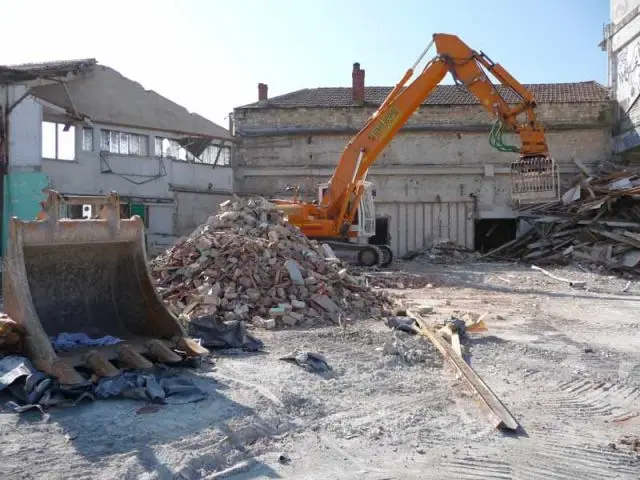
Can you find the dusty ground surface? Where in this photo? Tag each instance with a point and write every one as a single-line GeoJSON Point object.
{"type": "Point", "coordinates": [565, 361]}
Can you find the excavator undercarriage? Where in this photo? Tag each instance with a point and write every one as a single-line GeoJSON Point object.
{"type": "Point", "coordinates": [88, 276]}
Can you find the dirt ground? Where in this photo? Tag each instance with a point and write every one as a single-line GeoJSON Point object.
{"type": "Point", "coordinates": [565, 362]}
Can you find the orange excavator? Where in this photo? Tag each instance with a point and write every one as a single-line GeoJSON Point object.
{"type": "Point", "coordinates": [344, 213]}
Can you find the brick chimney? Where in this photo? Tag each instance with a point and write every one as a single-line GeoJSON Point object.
{"type": "Point", "coordinates": [357, 89]}
{"type": "Point", "coordinates": [262, 91]}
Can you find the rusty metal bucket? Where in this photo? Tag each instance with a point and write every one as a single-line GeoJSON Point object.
{"type": "Point", "coordinates": [87, 276]}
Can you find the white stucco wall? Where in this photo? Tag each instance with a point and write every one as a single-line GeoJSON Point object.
{"type": "Point", "coordinates": [624, 65]}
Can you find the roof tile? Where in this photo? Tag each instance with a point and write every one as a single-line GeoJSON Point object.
{"type": "Point", "coordinates": [579, 92]}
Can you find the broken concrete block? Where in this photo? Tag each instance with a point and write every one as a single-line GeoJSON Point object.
{"type": "Point", "coordinates": [298, 304]}
{"type": "Point", "coordinates": [277, 311]}
{"type": "Point", "coordinates": [294, 272]}
{"type": "Point", "coordinates": [295, 315]}
{"type": "Point", "coordinates": [269, 323]}
{"type": "Point", "coordinates": [211, 300]}
{"type": "Point", "coordinates": [325, 303]}
{"type": "Point", "coordinates": [287, 306]}
{"type": "Point", "coordinates": [289, 320]}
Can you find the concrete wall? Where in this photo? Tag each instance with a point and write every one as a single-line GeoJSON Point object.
{"type": "Point", "coordinates": [98, 172]}
{"type": "Point", "coordinates": [441, 162]}
{"type": "Point", "coordinates": [450, 159]}
{"type": "Point", "coordinates": [193, 209]}
{"type": "Point", "coordinates": [623, 48]}
{"type": "Point", "coordinates": [147, 180]}
{"type": "Point", "coordinates": [24, 181]}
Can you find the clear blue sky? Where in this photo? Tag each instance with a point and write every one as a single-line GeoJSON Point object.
{"type": "Point", "coordinates": [210, 55]}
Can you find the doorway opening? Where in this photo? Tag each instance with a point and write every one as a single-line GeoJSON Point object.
{"type": "Point", "coordinates": [490, 233]}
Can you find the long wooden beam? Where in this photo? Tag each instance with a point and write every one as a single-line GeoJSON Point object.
{"type": "Point", "coordinates": [500, 416]}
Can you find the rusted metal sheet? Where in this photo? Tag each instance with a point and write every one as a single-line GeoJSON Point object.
{"type": "Point", "coordinates": [414, 224]}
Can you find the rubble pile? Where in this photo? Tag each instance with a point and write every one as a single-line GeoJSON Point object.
{"type": "Point", "coordinates": [596, 223]}
{"type": "Point", "coordinates": [246, 263]}
{"type": "Point", "coordinates": [442, 251]}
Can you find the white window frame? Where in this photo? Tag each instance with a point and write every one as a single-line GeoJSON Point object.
{"type": "Point", "coordinates": [58, 127]}
{"type": "Point", "coordinates": [122, 143]}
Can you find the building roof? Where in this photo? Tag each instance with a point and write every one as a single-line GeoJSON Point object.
{"type": "Point", "coordinates": [31, 71]}
{"type": "Point", "coordinates": [579, 92]}
{"type": "Point", "coordinates": [105, 96]}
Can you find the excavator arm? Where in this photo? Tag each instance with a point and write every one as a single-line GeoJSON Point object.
{"type": "Point", "coordinates": [534, 172]}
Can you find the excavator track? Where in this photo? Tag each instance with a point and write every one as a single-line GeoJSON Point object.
{"type": "Point", "coordinates": [368, 256]}
{"type": "Point", "coordinates": [387, 255]}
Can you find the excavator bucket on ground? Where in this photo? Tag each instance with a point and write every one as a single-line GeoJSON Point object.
{"type": "Point", "coordinates": [535, 179]}
{"type": "Point", "coordinates": [88, 276]}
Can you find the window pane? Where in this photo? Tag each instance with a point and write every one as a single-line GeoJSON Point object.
{"type": "Point", "coordinates": [134, 144]}
{"type": "Point", "coordinates": [182, 153]}
{"type": "Point", "coordinates": [66, 143]}
{"type": "Point", "coordinates": [48, 140]}
{"type": "Point", "coordinates": [143, 140]}
{"type": "Point", "coordinates": [114, 145]}
{"type": "Point", "coordinates": [124, 143]}
{"type": "Point", "coordinates": [104, 140]}
{"type": "Point", "coordinates": [87, 139]}
{"type": "Point", "coordinates": [158, 147]}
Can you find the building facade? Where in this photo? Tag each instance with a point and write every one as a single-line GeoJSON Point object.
{"type": "Point", "coordinates": [439, 178]}
{"type": "Point", "coordinates": [622, 43]}
{"type": "Point", "coordinates": [84, 129]}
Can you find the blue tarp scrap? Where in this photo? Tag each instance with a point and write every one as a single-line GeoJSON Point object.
{"type": "Point", "coordinates": [32, 388]}
{"type": "Point", "coordinates": [68, 341]}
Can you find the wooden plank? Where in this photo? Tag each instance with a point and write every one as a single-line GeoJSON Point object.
{"type": "Point", "coordinates": [501, 417]}
{"type": "Point", "coordinates": [572, 283]}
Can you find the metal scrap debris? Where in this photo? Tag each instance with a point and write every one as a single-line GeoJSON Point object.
{"type": "Point", "coordinates": [310, 361]}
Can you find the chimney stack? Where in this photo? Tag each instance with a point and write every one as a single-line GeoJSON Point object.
{"type": "Point", "coordinates": [262, 91]}
{"type": "Point", "coordinates": [357, 88]}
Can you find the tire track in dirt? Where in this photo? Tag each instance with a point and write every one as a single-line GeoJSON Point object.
{"type": "Point", "coordinates": [583, 398]}
{"type": "Point", "coordinates": [557, 456]}
{"type": "Point", "coordinates": [472, 469]}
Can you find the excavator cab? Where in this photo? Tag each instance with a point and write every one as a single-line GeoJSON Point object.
{"type": "Point", "coordinates": [364, 224]}
{"type": "Point", "coordinates": [534, 179]}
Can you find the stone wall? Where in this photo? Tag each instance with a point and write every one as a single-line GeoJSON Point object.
{"type": "Point", "coordinates": [442, 155]}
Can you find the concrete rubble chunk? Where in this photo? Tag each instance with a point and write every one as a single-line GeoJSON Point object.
{"type": "Point", "coordinates": [247, 263]}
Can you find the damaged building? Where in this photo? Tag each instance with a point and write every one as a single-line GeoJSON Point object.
{"type": "Point", "coordinates": [622, 44]}
{"type": "Point", "coordinates": [82, 128]}
{"type": "Point", "coordinates": [439, 178]}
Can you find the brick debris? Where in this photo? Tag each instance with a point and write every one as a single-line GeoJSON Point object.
{"type": "Point", "coordinates": [246, 263]}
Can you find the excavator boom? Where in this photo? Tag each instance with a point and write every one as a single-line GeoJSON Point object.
{"type": "Point", "coordinates": [534, 174]}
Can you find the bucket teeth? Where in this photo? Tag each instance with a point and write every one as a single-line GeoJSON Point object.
{"type": "Point", "coordinates": [100, 364]}
{"type": "Point", "coordinates": [159, 351]}
{"type": "Point", "coordinates": [132, 359]}
{"type": "Point", "coordinates": [189, 346]}
{"type": "Point", "coordinates": [64, 372]}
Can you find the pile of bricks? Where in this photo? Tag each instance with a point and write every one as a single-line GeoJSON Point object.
{"type": "Point", "coordinates": [246, 263]}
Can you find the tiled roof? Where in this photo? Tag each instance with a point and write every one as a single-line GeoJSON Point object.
{"type": "Point", "coordinates": [580, 92]}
